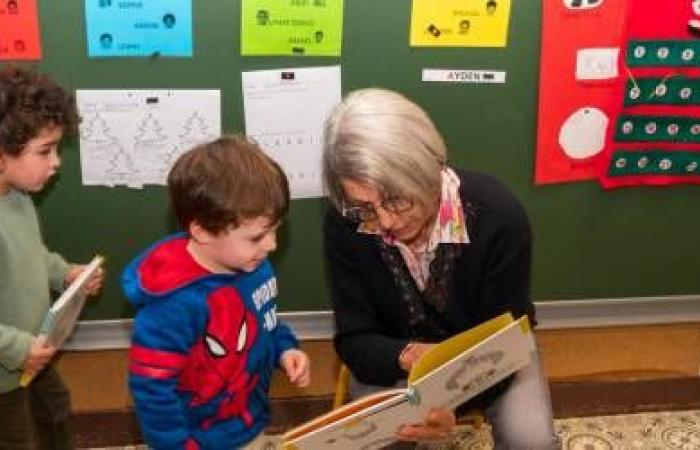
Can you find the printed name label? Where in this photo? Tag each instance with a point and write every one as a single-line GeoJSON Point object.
{"type": "Point", "coordinates": [464, 76]}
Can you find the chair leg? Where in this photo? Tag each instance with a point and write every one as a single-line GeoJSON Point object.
{"type": "Point", "coordinates": [341, 386]}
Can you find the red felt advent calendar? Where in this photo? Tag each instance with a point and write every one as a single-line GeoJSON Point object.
{"type": "Point", "coordinates": [619, 92]}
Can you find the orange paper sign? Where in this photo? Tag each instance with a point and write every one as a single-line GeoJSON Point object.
{"type": "Point", "coordinates": [19, 30]}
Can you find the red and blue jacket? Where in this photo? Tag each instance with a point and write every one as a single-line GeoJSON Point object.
{"type": "Point", "coordinates": [203, 350]}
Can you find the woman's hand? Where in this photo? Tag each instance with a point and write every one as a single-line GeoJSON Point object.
{"type": "Point", "coordinates": [93, 285]}
{"type": "Point", "coordinates": [410, 354]}
{"type": "Point", "coordinates": [438, 425]}
{"type": "Point", "coordinates": [297, 365]}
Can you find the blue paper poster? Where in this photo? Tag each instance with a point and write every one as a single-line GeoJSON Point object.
{"type": "Point", "coordinates": [139, 27]}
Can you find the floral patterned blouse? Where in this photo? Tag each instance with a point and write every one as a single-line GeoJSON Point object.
{"type": "Point", "coordinates": [449, 228]}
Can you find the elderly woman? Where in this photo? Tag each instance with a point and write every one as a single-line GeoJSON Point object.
{"type": "Point", "coordinates": [418, 251]}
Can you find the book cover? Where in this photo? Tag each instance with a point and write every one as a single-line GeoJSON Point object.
{"type": "Point", "coordinates": [447, 375]}
{"type": "Point", "coordinates": [62, 316]}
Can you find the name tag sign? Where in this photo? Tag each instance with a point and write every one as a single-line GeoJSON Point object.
{"type": "Point", "coordinates": [465, 76]}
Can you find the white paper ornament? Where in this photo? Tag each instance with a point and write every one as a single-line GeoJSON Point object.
{"type": "Point", "coordinates": [582, 134]}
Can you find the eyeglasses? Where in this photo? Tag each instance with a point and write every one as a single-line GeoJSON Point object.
{"type": "Point", "coordinates": [367, 212]}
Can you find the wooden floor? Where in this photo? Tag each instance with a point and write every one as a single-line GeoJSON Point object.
{"type": "Point", "coordinates": [569, 399]}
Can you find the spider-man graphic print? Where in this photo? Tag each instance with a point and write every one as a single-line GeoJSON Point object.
{"type": "Point", "coordinates": [203, 349]}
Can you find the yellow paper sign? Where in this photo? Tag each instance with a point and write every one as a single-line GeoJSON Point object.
{"type": "Point", "coordinates": [460, 23]}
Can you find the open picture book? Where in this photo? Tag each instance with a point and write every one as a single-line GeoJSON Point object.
{"type": "Point", "coordinates": [447, 375]}
{"type": "Point", "coordinates": [62, 316]}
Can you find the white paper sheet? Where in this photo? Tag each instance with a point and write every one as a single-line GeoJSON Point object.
{"type": "Point", "coordinates": [284, 111]}
{"type": "Point", "coordinates": [133, 137]}
{"type": "Point", "coordinates": [596, 63]}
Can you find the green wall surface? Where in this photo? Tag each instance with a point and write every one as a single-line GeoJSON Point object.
{"type": "Point", "coordinates": [588, 243]}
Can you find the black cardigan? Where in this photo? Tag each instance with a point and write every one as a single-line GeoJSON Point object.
{"type": "Point", "coordinates": [492, 276]}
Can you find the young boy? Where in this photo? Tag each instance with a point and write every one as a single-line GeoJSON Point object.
{"type": "Point", "coordinates": [34, 114]}
{"type": "Point", "coordinates": [206, 338]}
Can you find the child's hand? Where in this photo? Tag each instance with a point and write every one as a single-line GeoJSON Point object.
{"type": "Point", "coordinates": [94, 284]}
{"type": "Point", "coordinates": [39, 354]}
{"type": "Point", "coordinates": [297, 365]}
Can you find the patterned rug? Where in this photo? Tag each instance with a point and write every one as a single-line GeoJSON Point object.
{"type": "Point", "coordinates": [664, 430]}
{"type": "Point", "coordinates": [677, 430]}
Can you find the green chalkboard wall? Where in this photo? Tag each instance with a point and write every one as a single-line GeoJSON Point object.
{"type": "Point", "coordinates": [589, 243]}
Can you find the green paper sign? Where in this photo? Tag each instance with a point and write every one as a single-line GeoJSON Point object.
{"type": "Point", "coordinates": [291, 27]}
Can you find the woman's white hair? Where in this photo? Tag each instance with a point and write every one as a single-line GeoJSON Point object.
{"type": "Point", "coordinates": [382, 139]}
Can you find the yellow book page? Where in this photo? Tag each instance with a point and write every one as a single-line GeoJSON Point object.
{"type": "Point", "coordinates": [460, 23]}
{"type": "Point", "coordinates": [449, 348]}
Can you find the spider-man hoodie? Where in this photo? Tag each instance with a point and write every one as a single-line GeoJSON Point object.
{"type": "Point", "coordinates": [203, 350]}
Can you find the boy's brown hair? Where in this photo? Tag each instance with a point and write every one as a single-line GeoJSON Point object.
{"type": "Point", "coordinates": [30, 102]}
{"type": "Point", "coordinates": [221, 183]}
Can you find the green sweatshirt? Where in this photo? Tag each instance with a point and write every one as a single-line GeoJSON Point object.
{"type": "Point", "coordinates": [28, 271]}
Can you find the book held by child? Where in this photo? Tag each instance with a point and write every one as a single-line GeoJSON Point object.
{"type": "Point", "coordinates": [61, 318]}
